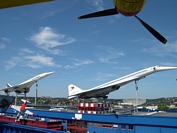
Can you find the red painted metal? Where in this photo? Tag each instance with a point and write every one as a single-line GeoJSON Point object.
{"type": "Point", "coordinates": [56, 125]}
{"type": "Point", "coordinates": [75, 126]}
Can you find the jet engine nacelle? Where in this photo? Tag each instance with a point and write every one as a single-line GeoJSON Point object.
{"type": "Point", "coordinates": [115, 87]}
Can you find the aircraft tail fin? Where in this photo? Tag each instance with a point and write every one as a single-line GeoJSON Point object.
{"type": "Point", "coordinates": [72, 90]}
{"type": "Point", "coordinates": [8, 85]}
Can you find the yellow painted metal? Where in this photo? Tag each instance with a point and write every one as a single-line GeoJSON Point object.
{"type": "Point", "coordinates": [13, 3]}
{"type": "Point", "coordinates": [129, 6]}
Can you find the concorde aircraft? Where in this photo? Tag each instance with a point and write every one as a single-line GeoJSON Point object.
{"type": "Point", "coordinates": [103, 90]}
{"type": "Point", "coordinates": [14, 3]}
{"type": "Point", "coordinates": [24, 87]}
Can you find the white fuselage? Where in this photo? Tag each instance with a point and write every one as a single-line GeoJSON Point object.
{"type": "Point", "coordinates": [104, 89]}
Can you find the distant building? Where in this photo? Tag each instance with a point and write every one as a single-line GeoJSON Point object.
{"type": "Point", "coordinates": [47, 97]}
{"type": "Point", "coordinates": [152, 107]}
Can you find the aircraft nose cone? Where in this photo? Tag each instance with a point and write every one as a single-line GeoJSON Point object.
{"type": "Point", "coordinates": [50, 73]}
{"type": "Point", "coordinates": [170, 68]}
{"type": "Point", "coordinates": [161, 68]}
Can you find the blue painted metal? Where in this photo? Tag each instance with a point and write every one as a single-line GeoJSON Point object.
{"type": "Point", "coordinates": [106, 118]}
{"type": "Point", "coordinates": [141, 124]}
{"type": "Point", "coordinates": [147, 129]}
{"type": "Point", "coordinates": [17, 128]}
{"type": "Point", "coordinates": [168, 130]}
{"type": "Point", "coordinates": [101, 130]}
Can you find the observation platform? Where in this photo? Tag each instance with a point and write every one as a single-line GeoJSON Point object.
{"type": "Point", "coordinates": [60, 122]}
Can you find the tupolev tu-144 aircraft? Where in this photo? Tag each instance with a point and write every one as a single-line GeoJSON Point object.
{"type": "Point", "coordinates": [102, 90]}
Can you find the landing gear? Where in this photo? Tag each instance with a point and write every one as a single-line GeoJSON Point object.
{"type": "Point", "coordinates": [105, 99]}
{"type": "Point", "coordinates": [36, 93]}
{"type": "Point", "coordinates": [16, 92]}
{"type": "Point", "coordinates": [74, 102]}
{"type": "Point", "coordinates": [19, 92]}
{"type": "Point", "coordinates": [7, 92]}
{"type": "Point", "coordinates": [136, 104]}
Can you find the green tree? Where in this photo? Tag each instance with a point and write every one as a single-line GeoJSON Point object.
{"type": "Point", "coordinates": [144, 108]}
{"type": "Point", "coordinates": [163, 107]}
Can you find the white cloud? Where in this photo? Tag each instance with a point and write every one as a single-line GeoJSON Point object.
{"type": "Point", "coordinates": [172, 47]}
{"type": "Point", "coordinates": [104, 76]}
{"type": "Point", "coordinates": [49, 13]}
{"type": "Point", "coordinates": [107, 54]}
{"type": "Point", "coordinates": [169, 49]}
{"type": "Point", "coordinates": [2, 46]}
{"type": "Point", "coordinates": [69, 66]}
{"type": "Point", "coordinates": [122, 68]}
{"type": "Point", "coordinates": [139, 40]}
{"type": "Point", "coordinates": [33, 61]}
{"type": "Point", "coordinates": [97, 3]}
{"type": "Point", "coordinates": [78, 62]}
{"type": "Point", "coordinates": [12, 62]}
{"type": "Point", "coordinates": [5, 39]}
{"type": "Point", "coordinates": [56, 8]}
{"type": "Point", "coordinates": [47, 39]}
{"type": "Point", "coordinates": [82, 62]}
{"type": "Point", "coordinates": [26, 50]}
{"type": "Point", "coordinates": [37, 61]}
{"type": "Point", "coordinates": [168, 64]}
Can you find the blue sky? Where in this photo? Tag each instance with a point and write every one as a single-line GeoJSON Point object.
{"type": "Point", "coordinates": [49, 37]}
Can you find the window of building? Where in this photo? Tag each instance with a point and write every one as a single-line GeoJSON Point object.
{"type": "Point", "coordinates": [123, 127]}
{"type": "Point", "coordinates": [130, 127]}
